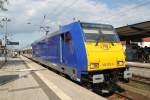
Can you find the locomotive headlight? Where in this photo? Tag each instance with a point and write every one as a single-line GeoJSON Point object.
{"type": "Point", "coordinates": [94, 65]}
{"type": "Point", "coordinates": [120, 63]}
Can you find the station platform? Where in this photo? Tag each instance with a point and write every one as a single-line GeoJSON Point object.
{"type": "Point", "coordinates": [138, 64]}
{"type": "Point", "coordinates": [139, 69]}
{"type": "Point", "coordinates": [23, 79]}
{"type": "Point", "coordinates": [2, 60]}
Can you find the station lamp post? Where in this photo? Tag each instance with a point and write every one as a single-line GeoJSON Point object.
{"type": "Point", "coordinates": [6, 20]}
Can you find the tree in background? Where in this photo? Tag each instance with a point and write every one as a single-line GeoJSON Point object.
{"type": "Point", "coordinates": [3, 4]}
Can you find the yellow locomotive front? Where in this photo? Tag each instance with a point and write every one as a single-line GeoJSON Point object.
{"type": "Point", "coordinates": [105, 54]}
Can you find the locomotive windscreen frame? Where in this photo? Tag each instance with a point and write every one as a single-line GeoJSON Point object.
{"type": "Point", "coordinates": [99, 32]}
{"type": "Point", "coordinates": [95, 25]}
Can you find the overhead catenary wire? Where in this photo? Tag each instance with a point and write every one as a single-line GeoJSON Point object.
{"type": "Point", "coordinates": [116, 14]}
{"type": "Point", "coordinates": [127, 10]}
{"type": "Point", "coordinates": [125, 15]}
{"type": "Point", "coordinates": [129, 17]}
{"type": "Point", "coordinates": [44, 17]}
{"type": "Point", "coordinates": [65, 9]}
{"type": "Point", "coordinates": [54, 11]}
{"type": "Point", "coordinates": [56, 8]}
{"type": "Point", "coordinates": [41, 26]}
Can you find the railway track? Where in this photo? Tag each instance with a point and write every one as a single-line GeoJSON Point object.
{"type": "Point", "coordinates": [138, 87]}
{"type": "Point", "coordinates": [134, 92]}
{"type": "Point", "coordinates": [123, 96]}
{"type": "Point", "coordinates": [141, 79]}
{"type": "Point", "coordinates": [141, 73]}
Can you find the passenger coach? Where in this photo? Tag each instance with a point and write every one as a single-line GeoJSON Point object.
{"type": "Point", "coordinates": [87, 52]}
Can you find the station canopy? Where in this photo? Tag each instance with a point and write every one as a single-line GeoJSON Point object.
{"type": "Point", "coordinates": [134, 32]}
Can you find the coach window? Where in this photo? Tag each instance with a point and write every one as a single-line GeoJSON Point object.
{"type": "Point", "coordinates": [68, 37]}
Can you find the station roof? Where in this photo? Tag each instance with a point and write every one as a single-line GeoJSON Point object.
{"type": "Point", "coordinates": [134, 31]}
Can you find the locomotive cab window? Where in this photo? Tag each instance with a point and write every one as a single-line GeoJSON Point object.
{"type": "Point", "coordinates": [101, 33]}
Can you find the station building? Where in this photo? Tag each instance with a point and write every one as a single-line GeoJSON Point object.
{"type": "Point", "coordinates": [136, 38]}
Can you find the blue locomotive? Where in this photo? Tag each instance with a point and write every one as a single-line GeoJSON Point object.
{"type": "Point", "coordinates": [86, 52]}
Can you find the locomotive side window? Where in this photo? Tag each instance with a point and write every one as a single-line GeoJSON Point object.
{"type": "Point", "coordinates": [68, 37]}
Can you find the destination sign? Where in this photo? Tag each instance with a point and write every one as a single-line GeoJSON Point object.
{"type": "Point", "coordinates": [95, 25]}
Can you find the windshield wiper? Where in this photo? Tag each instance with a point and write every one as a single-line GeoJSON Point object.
{"type": "Point", "coordinates": [98, 38]}
{"type": "Point", "coordinates": [112, 43]}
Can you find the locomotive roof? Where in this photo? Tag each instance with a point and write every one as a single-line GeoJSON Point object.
{"type": "Point", "coordinates": [83, 24]}
{"type": "Point", "coordinates": [49, 35]}
{"type": "Point", "coordinates": [96, 25]}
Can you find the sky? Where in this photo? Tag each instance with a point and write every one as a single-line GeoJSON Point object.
{"type": "Point", "coordinates": [28, 15]}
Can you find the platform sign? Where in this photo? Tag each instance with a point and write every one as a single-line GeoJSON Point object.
{"type": "Point", "coordinates": [12, 43]}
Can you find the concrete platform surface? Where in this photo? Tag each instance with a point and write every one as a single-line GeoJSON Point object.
{"type": "Point", "coordinates": [19, 85]}
{"type": "Point", "coordinates": [138, 64]}
{"type": "Point", "coordinates": [140, 72]}
{"type": "Point", "coordinates": [22, 79]}
{"type": "Point", "coordinates": [139, 69]}
{"type": "Point", "coordinates": [2, 60]}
